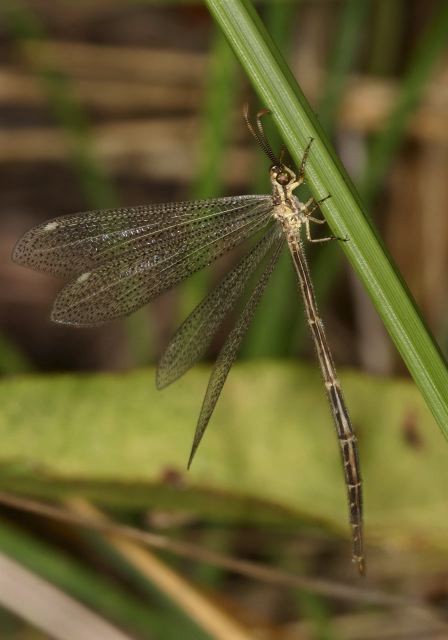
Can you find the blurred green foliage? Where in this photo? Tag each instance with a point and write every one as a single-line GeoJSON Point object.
{"type": "Point", "coordinates": [269, 454]}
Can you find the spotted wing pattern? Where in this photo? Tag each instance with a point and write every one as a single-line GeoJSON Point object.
{"type": "Point", "coordinates": [126, 257]}
{"type": "Point", "coordinates": [193, 337]}
{"type": "Point", "coordinates": [230, 348]}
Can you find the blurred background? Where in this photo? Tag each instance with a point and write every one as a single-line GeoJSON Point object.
{"type": "Point", "coordinates": [120, 103]}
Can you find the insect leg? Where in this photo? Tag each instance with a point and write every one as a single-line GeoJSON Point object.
{"type": "Point", "coordinates": [316, 240]}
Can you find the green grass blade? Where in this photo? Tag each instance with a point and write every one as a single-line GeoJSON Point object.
{"type": "Point", "coordinates": [345, 213]}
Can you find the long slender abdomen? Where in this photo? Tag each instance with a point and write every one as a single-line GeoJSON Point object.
{"type": "Point", "coordinates": [344, 428]}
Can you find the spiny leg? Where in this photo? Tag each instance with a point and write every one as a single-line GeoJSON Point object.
{"type": "Point", "coordinates": [301, 175]}
{"type": "Point", "coordinates": [316, 240]}
{"type": "Point", "coordinates": [310, 206]}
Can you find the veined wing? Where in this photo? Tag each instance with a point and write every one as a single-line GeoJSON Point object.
{"type": "Point", "coordinates": [125, 283]}
{"type": "Point", "coordinates": [71, 244]}
{"type": "Point", "coordinates": [191, 340]}
{"type": "Point", "coordinates": [229, 350]}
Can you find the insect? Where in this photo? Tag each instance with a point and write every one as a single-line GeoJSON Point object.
{"type": "Point", "coordinates": [117, 260]}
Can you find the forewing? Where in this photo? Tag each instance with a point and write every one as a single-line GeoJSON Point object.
{"type": "Point", "coordinates": [193, 337]}
{"type": "Point", "coordinates": [73, 244]}
{"type": "Point", "coordinates": [123, 284]}
{"type": "Point", "coordinates": [229, 351]}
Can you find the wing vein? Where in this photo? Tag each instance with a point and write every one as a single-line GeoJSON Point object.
{"type": "Point", "coordinates": [229, 351]}
{"type": "Point", "coordinates": [118, 287]}
{"type": "Point", "coordinates": [193, 337]}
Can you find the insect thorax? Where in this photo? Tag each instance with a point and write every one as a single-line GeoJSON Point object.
{"type": "Point", "coordinates": [287, 207]}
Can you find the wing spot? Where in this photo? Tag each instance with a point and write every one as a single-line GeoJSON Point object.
{"type": "Point", "coordinates": [51, 226]}
{"type": "Point", "coordinates": [83, 277]}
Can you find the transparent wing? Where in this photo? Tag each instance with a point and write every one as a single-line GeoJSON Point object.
{"type": "Point", "coordinates": [191, 340]}
{"type": "Point", "coordinates": [123, 284]}
{"type": "Point", "coordinates": [229, 351]}
{"type": "Point", "coordinates": [71, 244]}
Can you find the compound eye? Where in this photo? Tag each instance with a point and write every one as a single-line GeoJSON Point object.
{"type": "Point", "coordinates": [283, 178]}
